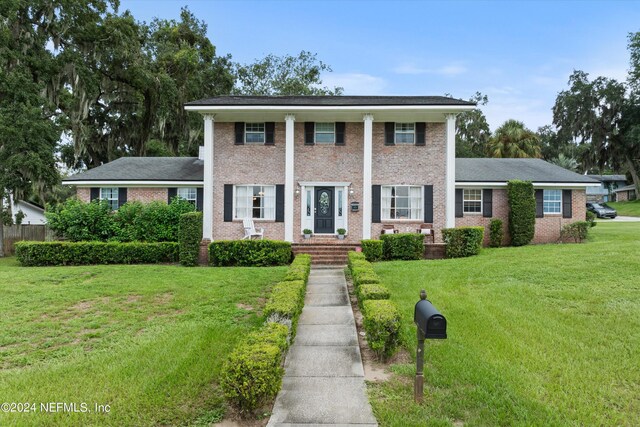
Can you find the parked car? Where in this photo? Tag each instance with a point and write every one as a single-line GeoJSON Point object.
{"type": "Point", "coordinates": [602, 210]}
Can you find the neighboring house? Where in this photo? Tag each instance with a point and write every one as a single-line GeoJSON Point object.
{"type": "Point", "coordinates": [32, 214]}
{"type": "Point", "coordinates": [626, 193]}
{"type": "Point", "coordinates": [323, 163]}
{"type": "Point", "coordinates": [608, 184]}
{"type": "Point", "coordinates": [481, 194]}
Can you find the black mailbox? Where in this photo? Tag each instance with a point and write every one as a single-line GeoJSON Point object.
{"type": "Point", "coordinates": [431, 323]}
{"type": "Point", "coordinates": [355, 206]}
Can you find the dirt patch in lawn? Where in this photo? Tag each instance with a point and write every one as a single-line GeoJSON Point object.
{"type": "Point", "coordinates": [244, 307]}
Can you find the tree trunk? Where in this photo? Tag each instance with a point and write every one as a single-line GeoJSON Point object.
{"type": "Point", "coordinates": [1, 228]}
{"type": "Point", "coordinates": [634, 175]}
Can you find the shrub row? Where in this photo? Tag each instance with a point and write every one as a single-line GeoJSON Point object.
{"type": "Point", "coordinates": [576, 231]}
{"type": "Point", "coordinates": [372, 250]}
{"type": "Point", "coordinates": [381, 317]}
{"type": "Point", "coordinates": [522, 212]}
{"type": "Point", "coordinates": [462, 241]}
{"type": "Point", "coordinates": [403, 246]}
{"type": "Point", "coordinates": [253, 372]}
{"type": "Point", "coordinates": [249, 253]}
{"type": "Point", "coordinates": [84, 253]}
{"type": "Point", "coordinates": [189, 237]}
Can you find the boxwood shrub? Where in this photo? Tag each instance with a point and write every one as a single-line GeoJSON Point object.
{"type": "Point", "coordinates": [462, 241]}
{"type": "Point", "coordinates": [372, 250]}
{"type": "Point", "coordinates": [496, 233]}
{"type": "Point", "coordinates": [382, 326]}
{"type": "Point", "coordinates": [286, 300]}
{"type": "Point", "coordinates": [189, 238]}
{"type": "Point", "coordinates": [84, 253]}
{"type": "Point", "coordinates": [403, 246]}
{"type": "Point", "coordinates": [249, 253]}
{"type": "Point", "coordinates": [354, 256]}
{"type": "Point", "coordinates": [576, 231]}
{"type": "Point", "coordinates": [372, 291]}
{"type": "Point", "coordinates": [522, 212]}
{"type": "Point", "coordinates": [299, 268]}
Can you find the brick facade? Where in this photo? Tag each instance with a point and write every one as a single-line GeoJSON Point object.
{"type": "Point", "coordinates": [134, 194]}
{"type": "Point", "coordinates": [547, 229]}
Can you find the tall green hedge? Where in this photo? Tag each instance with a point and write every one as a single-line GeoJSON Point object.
{"type": "Point", "coordinates": [189, 238]}
{"type": "Point", "coordinates": [372, 249]}
{"type": "Point", "coordinates": [522, 212]}
{"type": "Point", "coordinates": [249, 253]}
{"type": "Point", "coordinates": [403, 246]}
{"type": "Point", "coordinates": [462, 241]}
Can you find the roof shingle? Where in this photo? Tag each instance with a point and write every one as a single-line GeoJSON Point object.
{"type": "Point", "coordinates": [502, 170]}
{"type": "Point", "coordinates": [145, 169]}
{"type": "Point", "coordinates": [330, 101]}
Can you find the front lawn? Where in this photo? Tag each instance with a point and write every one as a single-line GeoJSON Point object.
{"type": "Point", "coordinates": [148, 341]}
{"type": "Point", "coordinates": [631, 208]}
{"type": "Point", "coordinates": [538, 335]}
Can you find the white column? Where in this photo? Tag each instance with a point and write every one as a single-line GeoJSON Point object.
{"type": "Point", "coordinates": [289, 178]}
{"type": "Point", "coordinates": [366, 176]}
{"type": "Point", "coordinates": [450, 182]}
{"type": "Point", "coordinates": [207, 199]}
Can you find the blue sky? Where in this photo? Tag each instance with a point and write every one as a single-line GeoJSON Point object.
{"type": "Point", "coordinates": [519, 53]}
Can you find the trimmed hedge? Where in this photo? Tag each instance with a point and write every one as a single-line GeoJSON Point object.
{"type": "Point", "coordinates": [576, 231]}
{"type": "Point", "coordinates": [372, 291]}
{"type": "Point", "coordinates": [299, 268]}
{"type": "Point", "coordinates": [382, 325]}
{"type": "Point", "coordinates": [353, 257]}
{"type": "Point", "coordinates": [403, 246]}
{"type": "Point", "coordinates": [372, 250]}
{"type": "Point", "coordinates": [85, 253]}
{"type": "Point", "coordinates": [189, 238]}
{"type": "Point", "coordinates": [462, 241]}
{"type": "Point", "coordinates": [287, 300]}
{"type": "Point", "coordinates": [249, 253]}
{"type": "Point", "coordinates": [496, 233]}
{"type": "Point", "coordinates": [253, 372]}
{"type": "Point", "coordinates": [522, 212]}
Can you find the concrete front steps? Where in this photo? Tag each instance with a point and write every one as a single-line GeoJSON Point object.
{"type": "Point", "coordinates": [325, 252]}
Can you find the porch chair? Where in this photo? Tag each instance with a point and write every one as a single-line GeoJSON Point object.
{"type": "Point", "coordinates": [250, 230]}
{"type": "Point", "coordinates": [427, 230]}
{"type": "Point", "coordinates": [389, 229]}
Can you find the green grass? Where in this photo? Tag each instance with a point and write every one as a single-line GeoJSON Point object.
{"type": "Point", "coordinates": [147, 340]}
{"type": "Point", "coordinates": [538, 335]}
{"type": "Point", "coordinates": [631, 208]}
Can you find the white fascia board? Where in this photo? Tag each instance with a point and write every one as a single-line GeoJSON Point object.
{"type": "Point", "coordinates": [323, 184]}
{"type": "Point", "coordinates": [364, 108]}
{"type": "Point", "coordinates": [462, 184]}
{"type": "Point", "coordinates": [134, 183]}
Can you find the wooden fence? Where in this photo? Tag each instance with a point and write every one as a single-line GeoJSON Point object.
{"type": "Point", "coordinates": [16, 233]}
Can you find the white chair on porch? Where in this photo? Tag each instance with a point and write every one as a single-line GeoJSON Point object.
{"type": "Point", "coordinates": [250, 230]}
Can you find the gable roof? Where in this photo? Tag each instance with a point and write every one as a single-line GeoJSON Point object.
{"type": "Point", "coordinates": [609, 178]}
{"type": "Point", "coordinates": [329, 101]}
{"type": "Point", "coordinates": [626, 188]}
{"type": "Point", "coordinates": [144, 169]}
{"type": "Point", "coordinates": [503, 170]}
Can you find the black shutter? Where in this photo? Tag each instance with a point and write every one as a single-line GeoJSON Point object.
{"type": "Point", "coordinates": [428, 204]}
{"type": "Point", "coordinates": [171, 193]}
{"type": "Point", "coordinates": [566, 204]}
{"type": "Point", "coordinates": [228, 202]}
{"type": "Point", "coordinates": [420, 133]}
{"type": "Point", "coordinates": [239, 133]}
{"type": "Point", "coordinates": [459, 211]}
{"type": "Point", "coordinates": [199, 198]}
{"type": "Point", "coordinates": [339, 133]}
{"type": "Point", "coordinates": [487, 203]}
{"type": "Point", "coordinates": [376, 192]}
{"type": "Point", "coordinates": [280, 203]}
{"type": "Point", "coordinates": [94, 194]}
{"type": "Point", "coordinates": [309, 130]}
{"type": "Point", "coordinates": [122, 196]}
{"type": "Point", "coordinates": [269, 131]}
{"type": "Point", "coordinates": [539, 203]}
{"type": "Point", "coordinates": [389, 133]}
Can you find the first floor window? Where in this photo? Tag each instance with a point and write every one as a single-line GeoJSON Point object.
{"type": "Point", "coordinates": [110, 194]}
{"type": "Point", "coordinates": [325, 133]}
{"type": "Point", "coordinates": [188, 193]}
{"type": "Point", "coordinates": [401, 202]}
{"type": "Point", "coordinates": [405, 133]}
{"type": "Point", "coordinates": [254, 133]}
{"type": "Point", "coordinates": [472, 201]}
{"type": "Point", "coordinates": [552, 201]}
{"type": "Point", "coordinates": [255, 201]}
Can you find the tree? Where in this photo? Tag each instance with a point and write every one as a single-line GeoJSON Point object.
{"type": "Point", "coordinates": [286, 75]}
{"type": "Point", "coordinates": [565, 162]}
{"type": "Point", "coordinates": [472, 130]}
{"type": "Point", "coordinates": [513, 140]}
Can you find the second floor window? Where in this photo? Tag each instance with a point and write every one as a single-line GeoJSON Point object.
{"type": "Point", "coordinates": [325, 133]}
{"type": "Point", "coordinates": [254, 133]}
{"type": "Point", "coordinates": [405, 133]}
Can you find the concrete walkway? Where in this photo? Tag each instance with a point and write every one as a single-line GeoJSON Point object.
{"type": "Point", "coordinates": [324, 378]}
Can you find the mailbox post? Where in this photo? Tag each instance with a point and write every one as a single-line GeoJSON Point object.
{"type": "Point", "coordinates": [430, 325]}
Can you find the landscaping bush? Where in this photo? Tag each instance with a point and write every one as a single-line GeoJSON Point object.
{"type": "Point", "coordinates": [84, 253]}
{"type": "Point", "coordinates": [253, 372]}
{"type": "Point", "coordinates": [382, 325]}
{"type": "Point", "coordinates": [286, 300]}
{"type": "Point", "coordinates": [372, 250]}
{"type": "Point", "coordinates": [354, 256]}
{"type": "Point", "coordinates": [249, 253]}
{"type": "Point", "coordinates": [591, 219]}
{"type": "Point", "coordinates": [462, 241]}
{"type": "Point", "coordinates": [78, 221]}
{"type": "Point", "coordinates": [496, 233]}
{"type": "Point", "coordinates": [522, 212]}
{"type": "Point", "coordinates": [189, 238]}
{"type": "Point", "coordinates": [372, 291]}
{"type": "Point", "coordinates": [299, 268]}
{"type": "Point", "coordinates": [576, 231]}
{"type": "Point", "coordinates": [403, 246]}
{"type": "Point", "coordinates": [361, 271]}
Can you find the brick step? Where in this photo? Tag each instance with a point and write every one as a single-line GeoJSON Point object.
{"type": "Point", "coordinates": [320, 251]}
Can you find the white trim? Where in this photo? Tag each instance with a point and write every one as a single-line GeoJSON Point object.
{"type": "Point", "coordinates": [461, 184]}
{"type": "Point", "coordinates": [289, 177]}
{"type": "Point", "coordinates": [450, 174]}
{"type": "Point", "coordinates": [315, 133]}
{"type": "Point", "coordinates": [366, 176]}
{"type": "Point", "coordinates": [323, 184]}
{"type": "Point", "coordinates": [363, 108]}
{"type": "Point", "coordinates": [135, 183]}
{"type": "Point", "coordinates": [264, 133]}
{"type": "Point", "coordinates": [207, 193]}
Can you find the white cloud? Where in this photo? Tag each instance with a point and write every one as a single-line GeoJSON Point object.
{"type": "Point", "coordinates": [356, 83]}
{"type": "Point", "coordinates": [453, 69]}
